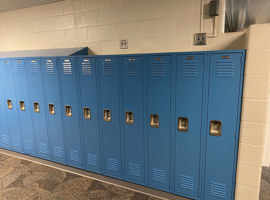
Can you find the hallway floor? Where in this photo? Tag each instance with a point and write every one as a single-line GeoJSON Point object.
{"type": "Point", "coordinates": [265, 184]}
{"type": "Point", "coordinates": [21, 179]}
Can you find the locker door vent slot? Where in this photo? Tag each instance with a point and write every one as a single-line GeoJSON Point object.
{"type": "Point", "coordinates": [17, 142]}
{"type": "Point", "coordinates": [36, 107]}
{"type": "Point", "coordinates": [92, 160]}
{"type": "Point", "coordinates": [215, 128]}
{"type": "Point", "coordinates": [129, 117]}
{"type": "Point", "coordinates": [218, 190]}
{"type": "Point", "coordinates": [22, 106]}
{"type": "Point", "coordinates": [159, 175]}
{"type": "Point", "coordinates": [67, 67]}
{"type": "Point", "coordinates": [7, 69]}
{"type": "Point", "coordinates": [43, 148]}
{"type": "Point", "coordinates": [189, 69]}
{"type": "Point", "coordinates": [9, 104]}
{"type": "Point", "coordinates": [186, 182]}
{"type": "Point", "coordinates": [29, 145]}
{"type": "Point", "coordinates": [34, 68]}
{"type": "Point", "coordinates": [134, 169]}
{"type": "Point", "coordinates": [154, 120]}
{"type": "Point", "coordinates": [225, 69]}
{"type": "Point", "coordinates": [108, 69]}
{"type": "Point", "coordinates": [86, 68]}
{"type": "Point", "coordinates": [159, 69]}
{"type": "Point", "coordinates": [183, 124]}
{"type": "Point", "coordinates": [68, 111]}
{"type": "Point", "coordinates": [112, 164]}
{"type": "Point", "coordinates": [51, 109]}
{"type": "Point", "coordinates": [86, 113]}
{"type": "Point", "coordinates": [58, 152]}
{"type": "Point", "coordinates": [74, 155]}
{"type": "Point", "coordinates": [5, 140]}
{"type": "Point", "coordinates": [107, 115]}
{"type": "Point", "coordinates": [19, 67]}
{"type": "Point", "coordinates": [49, 67]}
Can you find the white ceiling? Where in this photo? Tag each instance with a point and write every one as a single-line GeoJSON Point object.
{"type": "Point", "coordinates": [6, 5]}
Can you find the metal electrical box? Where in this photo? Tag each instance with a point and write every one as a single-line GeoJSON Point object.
{"type": "Point", "coordinates": [70, 109]}
{"type": "Point", "coordinates": [110, 111]}
{"type": "Point", "coordinates": [189, 109]}
{"type": "Point", "coordinates": [89, 105]}
{"type": "Point", "coordinates": [159, 135]}
{"type": "Point", "coordinates": [37, 106]}
{"type": "Point", "coordinates": [133, 95]}
{"type": "Point", "coordinates": [51, 80]}
{"type": "Point", "coordinates": [24, 105]}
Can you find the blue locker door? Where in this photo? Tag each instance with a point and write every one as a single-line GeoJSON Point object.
{"type": "Point", "coordinates": [188, 116]}
{"type": "Point", "coordinates": [4, 134]}
{"type": "Point", "coordinates": [133, 118]}
{"type": "Point", "coordinates": [37, 105]}
{"type": "Point", "coordinates": [223, 108]}
{"type": "Point", "coordinates": [70, 112]}
{"type": "Point", "coordinates": [12, 108]}
{"type": "Point", "coordinates": [109, 86]}
{"type": "Point", "coordinates": [52, 92]}
{"type": "Point", "coordinates": [24, 105]}
{"type": "Point", "coordinates": [159, 76]}
{"type": "Point", "coordinates": [89, 113]}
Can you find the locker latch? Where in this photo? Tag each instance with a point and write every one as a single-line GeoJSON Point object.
{"type": "Point", "coordinates": [107, 115]}
{"type": "Point", "coordinates": [129, 117]}
{"type": "Point", "coordinates": [154, 120]}
{"type": "Point", "coordinates": [36, 107]}
{"type": "Point", "coordinates": [183, 124]}
{"type": "Point", "coordinates": [51, 109]}
{"type": "Point", "coordinates": [68, 110]}
{"type": "Point", "coordinates": [215, 128]}
{"type": "Point", "coordinates": [9, 104]}
{"type": "Point", "coordinates": [22, 106]}
{"type": "Point", "coordinates": [86, 113]}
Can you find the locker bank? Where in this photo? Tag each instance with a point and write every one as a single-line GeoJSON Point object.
{"type": "Point", "coordinates": [134, 100]}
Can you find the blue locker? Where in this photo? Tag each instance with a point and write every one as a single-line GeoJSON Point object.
{"type": "Point", "coordinates": [224, 102]}
{"type": "Point", "coordinates": [50, 76]}
{"type": "Point", "coordinates": [11, 104]}
{"type": "Point", "coordinates": [133, 119]}
{"type": "Point", "coordinates": [4, 137]}
{"type": "Point", "coordinates": [71, 122]}
{"type": "Point", "coordinates": [110, 108]}
{"type": "Point", "coordinates": [24, 111]}
{"type": "Point", "coordinates": [159, 135]}
{"type": "Point", "coordinates": [38, 108]}
{"type": "Point", "coordinates": [89, 112]}
{"type": "Point", "coordinates": [188, 116]}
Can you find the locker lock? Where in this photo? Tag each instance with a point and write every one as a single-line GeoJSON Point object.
{"type": "Point", "coordinates": [86, 113]}
{"type": "Point", "coordinates": [36, 107]}
{"type": "Point", "coordinates": [154, 120]}
{"type": "Point", "coordinates": [183, 124]}
{"type": "Point", "coordinates": [107, 115]}
{"type": "Point", "coordinates": [68, 111]}
{"type": "Point", "coordinates": [51, 109]}
{"type": "Point", "coordinates": [129, 117]}
{"type": "Point", "coordinates": [22, 106]}
{"type": "Point", "coordinates": [9, 104]}
{"type": "Point", "coordinates": [215, 128]}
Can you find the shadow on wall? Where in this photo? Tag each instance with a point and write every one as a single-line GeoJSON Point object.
{"type": "Point", "coordinates": [234, 42]}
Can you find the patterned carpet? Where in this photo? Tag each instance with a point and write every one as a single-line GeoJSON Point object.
{"type": "Point", "coordinates": [265, 184]}
{"type": "Point", "coordinates": [21, 179]}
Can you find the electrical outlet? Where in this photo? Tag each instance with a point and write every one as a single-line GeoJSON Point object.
{"type": "Point", "coordinates": [200, 39]}
{"type": "Point", "coordinates": [123, 44]}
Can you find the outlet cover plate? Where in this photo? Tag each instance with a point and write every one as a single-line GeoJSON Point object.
{"type": "Point", "coordinates": [200, 39]}
{"type": "Point", "coordinates": [123, 44]}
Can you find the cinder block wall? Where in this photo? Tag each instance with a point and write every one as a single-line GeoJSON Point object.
{"type": "Point", "coordinates": [149, 26]}
{"type": "Point", "coordinates": [153, 26]}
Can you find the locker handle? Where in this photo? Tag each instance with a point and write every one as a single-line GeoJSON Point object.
{"type": "Point", "coordinates": [9, 104]}
{"type": "Point", "coordinates": [36, 107]}
{"type": "Point", "coordinates": [68, 111]}
{"type": "Point", "coordinates": [22, 106]}
{"type": "Point", "coordinates": [129, 117]}
{"type": "Point", "coordinates": [183, 124]}
{"type": "Point", "coordinates": [51, 109]}
{"type": "Point", "coordinates": [215, 128]}
{"type": "Point", "coordinates": [107, 115]}
{"type": "Point", "coordinates": [86, 113]}
{"type": "Point", "coordinates": [154, 120]}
